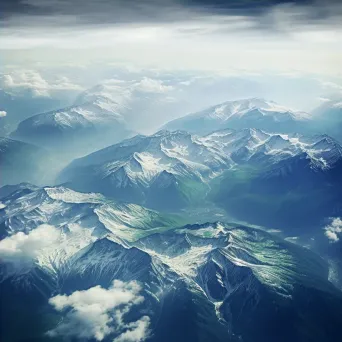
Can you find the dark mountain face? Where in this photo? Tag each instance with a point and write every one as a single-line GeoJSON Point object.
{"type": "Point", "coordinates": [292, 195]}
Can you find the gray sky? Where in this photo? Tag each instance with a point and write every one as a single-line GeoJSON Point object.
{"type": "Point", "coordinates": [281, 36]}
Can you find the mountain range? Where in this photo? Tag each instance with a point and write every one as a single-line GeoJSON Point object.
{"type": "Point", "coordinates": [223, 226]}
{"type": "Point", "coordinates": [213, 281]}
{"type": "Point", "coordinates": [173, 170]}
{"type": "Point", "coordinates": [99, 117]}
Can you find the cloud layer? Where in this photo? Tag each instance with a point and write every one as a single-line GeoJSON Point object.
{"type": "Point", "coordinates": [98, 312]}
{"type": "Point", "coordinates": [35, 83]}
{"type": "Point", "coordinates": [254, 35]}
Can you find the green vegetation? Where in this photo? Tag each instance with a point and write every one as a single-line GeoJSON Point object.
{"type": "Point", "coordinates": [193, 191]}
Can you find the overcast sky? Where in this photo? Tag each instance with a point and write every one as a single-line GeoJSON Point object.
{"type": "Point", "coordinates": [286, 36]}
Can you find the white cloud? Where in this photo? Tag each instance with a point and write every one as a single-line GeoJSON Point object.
{"type": "Point", "coordinates": [21, 249]}
{"type": "Point", "coordinates": [32, 80]}
{"type": "Point", "coordinates": [149, 85]}
{"type": "Point", "coordinates": [282, 38]}
{"type": "Point", "coordinates": [323, 99]}
{"type": "Point", "coordinates": [136, 332]}
{"type": "Point", "coordinates": [2, 113]}
{"type": "Point", "coordinates": [98, 312]}
{"type": "Point", "coordinates": [334, 229]}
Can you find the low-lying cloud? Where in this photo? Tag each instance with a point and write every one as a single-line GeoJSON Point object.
{"type": "Point", "coordinates": [333, 231]}
{"type": "Point", "coordinates": [99, 312]}
{"type": "Point", "coordinates": [33, 81]}
{"type": "Point", "coordinates": [22, 249]}
{"type": "Point", "coordinates": [136, 332]}
{"type": "Point", "coordinates": [148, 85]}
{"type": "Point", "coordinates": [2, 113]}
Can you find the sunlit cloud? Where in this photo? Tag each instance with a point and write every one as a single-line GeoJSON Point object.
{"type": "Point", "coordinates": [99, 312]}
{"type": "Point", "coordinates": [32, 80]}
{"type": "Point", "coordinates": [333, 231]}
{"type": "Point", "coordinates": [22, 249]}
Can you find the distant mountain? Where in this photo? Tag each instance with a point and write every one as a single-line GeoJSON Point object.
{"type": "Point", "coordinates": [22, 162]}
{"type": "Point", "coordinates": [170, 170]}
{"type": "Point", "coordinates": [20, 106]}
{"type": "Point", "coordinates": [247, 113]}
{"type": "Point", "coordinates": [99, 117]}
{"type": "Point", "coordinates": [213, 281]}
{"type": "Point", "coordinates": [328, 118]}
{"type": "Point", "coordinates": [143, 103]}
{"type": "Point", "coordinates": [76, 130]}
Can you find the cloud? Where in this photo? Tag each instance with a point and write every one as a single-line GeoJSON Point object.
{"type": "Point", "coordinates": [98, 312]}
{"type": "Point", "coordinates": [2, 113]}
{"type": "Point", "coordinates": [128, 11]}
{"type": "Point", "coordinates": [136, 332]}
{"type": "Point", "coordinates": [22, 249]}
{"type": "Point", "coordinates": [33, 81]}
{"type": "Point", "coordinates": [148, 85]}
{"type": "Point", "coordinates": [334, 229]}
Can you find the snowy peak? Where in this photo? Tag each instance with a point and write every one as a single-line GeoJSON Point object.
{"type": "Point", "coordinates": [144, 158]}
{"type": "Point", "coordinates": [251, 107]}
{"type": "Point", "coordinates": [67, 209]}
{"type": "Point", "coordinates": [180, 163]}
{"type": "Point", "coordinates": [246, 113]}
{"type": "Point", "coordinates": [189, 252]}
{"type": "Point", "coordinates": [76, 117]}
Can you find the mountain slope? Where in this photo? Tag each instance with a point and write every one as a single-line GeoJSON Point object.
{"type": "Point", "coordinates": [170, 170]}
{"type": "Point", "coordinates": [80, 128]}
{"type": "Point", "coordinates": [22, 162]}
{"type": "Point", "coordinates": [247, 113]}
{"type": "Point", "coordinates": [296, 193]}
{"type": "Point", "coordinates": [170, 164]}
{"type": "Point", "coordinates": [28, 207]}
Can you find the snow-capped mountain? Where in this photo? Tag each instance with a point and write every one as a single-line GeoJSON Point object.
{"type": "Point", "coordinates": [21, 105]}
{"type": "Point", "coordinates": [246, 113]}
{"type": "Point", "coordinates": [77, 129]}
{"type": "Point", "coordinates": [146, 167]}
{"type": "Point", "coordinates": [22, 162]}
{"type": "Point", "coordinates": [284, 174]}
{"type": "Point", "coordinates": [173, 169]}
{"type": "Point", "coordinates": [100, 116]}
{"type": "Point", "coordinates": [236, 278]}
{"type": "Point", "coordinates": [27, 207]}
